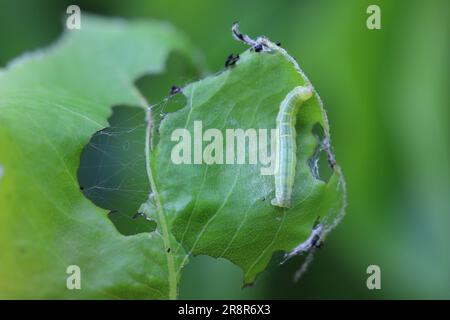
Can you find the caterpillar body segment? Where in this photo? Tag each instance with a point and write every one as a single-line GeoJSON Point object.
{"type": "Point", "coordinates": [286, 149]}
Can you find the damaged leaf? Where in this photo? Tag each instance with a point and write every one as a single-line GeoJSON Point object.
{"type": "Point", "coordinates": [224, 210]}
{"type": "Point", "coordinates": [57, 102]}
{"type": "Point", "coordinates": [51, 103]}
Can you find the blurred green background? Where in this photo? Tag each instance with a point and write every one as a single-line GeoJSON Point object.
{"type": "Point", "coordinates": [386, 92]}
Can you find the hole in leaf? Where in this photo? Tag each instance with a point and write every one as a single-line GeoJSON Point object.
{"type": "Point", "coordinates": [179, 71]}
{"type": "Point", "coordinates": [112, 170]}
{"type": "Point", "coordinates": [156, 88]}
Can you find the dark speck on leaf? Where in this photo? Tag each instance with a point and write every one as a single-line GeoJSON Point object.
{"type": "Point", "coordinates": [258, 48]}
{"type": "Point", "coordinates": [231, 60]}
{"type": "Point", "coordinates": [315, 241]}
{"type": "Point", "coordinates": [236, 32]}
{"type": "Point", "coordinates": [174, 90]}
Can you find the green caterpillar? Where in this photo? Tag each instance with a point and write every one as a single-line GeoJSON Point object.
{"type": "Point", "coordinates": [286, 148]}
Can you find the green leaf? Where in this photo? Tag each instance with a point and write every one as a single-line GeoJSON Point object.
{"type": "Point", "coordinates": [51, 102]}
{"type": "Point", "coordinates": [225, 210]}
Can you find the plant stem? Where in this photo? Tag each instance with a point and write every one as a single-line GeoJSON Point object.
{"type": "Point", "coordinates": [162, 224]}
{"type": "Point", "coordinates": [162, 221]}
